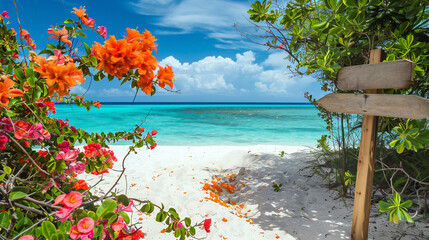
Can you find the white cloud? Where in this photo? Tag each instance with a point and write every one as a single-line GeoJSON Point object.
{"type": "Point", "coordinates": [242, 75]}
{"type": "Point", "coordinates": [216, 18]}
{"type": "Point", "coordinates": [78, 89]}
{"type": "Point", "coordinates": [115, 92]}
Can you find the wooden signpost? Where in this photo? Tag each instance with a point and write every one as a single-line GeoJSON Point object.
{"type": "Point", "coordinates": [372, 77]}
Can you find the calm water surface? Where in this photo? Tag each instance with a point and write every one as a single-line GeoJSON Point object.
{"type": "Point", "coordinates": [206, 124]}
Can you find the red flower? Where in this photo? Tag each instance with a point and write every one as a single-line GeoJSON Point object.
{"type": "Point", "coordinates": [207, 224]}
{"type": "Point", "coordinates": [21, 129]}
{"type": "Point", "coordinates": [154, 132]}
{"type": "Point", "coordinates": [26, 36]}
{"type": "Point", "coordinates": [141, 129]}
{"type": "Point", "coordinates": [43, 153]}
{"type": "Point", "coordinates": [153, 146]}
{"type": "Point", "coordinates": [81, 184]}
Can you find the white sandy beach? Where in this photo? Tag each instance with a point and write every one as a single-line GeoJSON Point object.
{"type": "Point", "coordinates": [304, 209]}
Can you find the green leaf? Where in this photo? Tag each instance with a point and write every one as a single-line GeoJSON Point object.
{"type": "Point", "coordinates": [148, 208]}
{"type": "Point", "coordinates": [125, 216]}
{"type": "Point", "coordinates": [19, 74]}
{"type": "Point", "coordinates": [187, 221]}
{"type": "Point", "coordinates": [7, 170]}
{"type": "Point", "coordinates": [17, 195]}
{"type": "Point", "coordinates": [69, 21]}
{"type": "Point", "coordinates": [5, 219]}
{"type": "Point", "coordinates": [319, 25]}
{"type": "Point", "coordinates": [192, 231]}
{"type": "Point", "coordinates": [397, 198]}
{"type": "Point", "coordinates": [407, 217]}
{"type": "Point", "coordinates": [81, 34]}
{"type": "Point", "coordinates": [87, 49]}
{"type": "Point", "coordinates": [60, 139]}
{"type": "Point", "coordinates": [177, 232]}
{"type": "Point", "coordinates": [407, 204]}
{"type": "Point", "coordinates": [123, 199]}
{"type": "Point", "coordinates": [108, 205]}
{"type": "Point", "coordinates": [48, 229]}
{"type": "Point", "coordinates": [2, 176]}
{"type": "Point", "coordinates": [51, 46]}
{"type": "Point", "coordinates": [161, 216]}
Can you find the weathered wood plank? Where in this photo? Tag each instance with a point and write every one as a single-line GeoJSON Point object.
{"type": "Point", "coordinates": [400, 106]}
{"type": "Point", "coordinates": [385, 75]}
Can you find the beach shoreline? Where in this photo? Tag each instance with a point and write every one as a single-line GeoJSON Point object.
{"type": "Point", "coordinates": [304, 208]}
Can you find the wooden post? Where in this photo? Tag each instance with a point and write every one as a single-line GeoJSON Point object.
{"type": "Point", "coordinates": [365, 168]}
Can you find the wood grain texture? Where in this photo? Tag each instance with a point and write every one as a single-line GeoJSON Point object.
{"type": "Point", "coordinates": [400, 106]}
{"type": "Point", "coordinates": [385, 75]}
{"type": "Point", "coordinates": [365, 167]}
{"type": "Point", "coordinates": [364, 178]}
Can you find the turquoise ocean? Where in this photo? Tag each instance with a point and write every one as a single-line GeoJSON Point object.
{"type": "Point", "coordinates": [205, 124]}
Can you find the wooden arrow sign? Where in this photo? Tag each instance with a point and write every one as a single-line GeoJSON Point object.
{"type": "Point", "coordinates": [385, 75]}
{"type": "Point", "coordinates": [399, 106]}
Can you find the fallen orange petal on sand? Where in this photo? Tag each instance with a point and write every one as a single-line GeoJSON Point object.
{"type": "Point", "coordinates": [163, 231]}
{"type": "Point", "coordinates": [224, 220]}
{"type": "Point", "coordinates": [140, 219]}
{"type": "Point", "coordinates": [277, 236]}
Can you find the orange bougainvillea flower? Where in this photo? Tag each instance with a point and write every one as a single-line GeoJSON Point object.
{"type": "Point", "coordinates": [165, 76]}
{"type": "Point", "coordinates": [81, 184]}
{"type": "Point", "coordinates": [59, 78]}
{"type": "Point", "coordinates": [117, 57]}
{"type": "Point", "coordinates": [97, 104]}
{"type": "Point", "coordinates": [6, 90]}
{"type": "Point", "coordinates": [85, 20]}
{"type": "Point", "coordinates": [60, 35]}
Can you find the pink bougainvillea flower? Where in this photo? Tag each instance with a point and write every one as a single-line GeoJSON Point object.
{"type": "Point", "coordinates": [125, 208]}
{"type": "Point", "coordinates": [85, 225]}
{"type": "Point", "coordinates": [4, 14]}
{"type": "Point", "coordinates": [64, 213]}
{"type": "Point", "coordinates": [91, 22]}
{"type": "Point", "coordinates": [27, 237]}
{"type": "Point", "coordinates": [34, 133]}
{"type": "Point", "coordinates": [118, 225]}
{"type": "Point", "coordinates": [178, 225]}
{"type": "Point", "coordinates": [102, 31]}
{"type": "Point", "coordinates": [58, 57]}
{"type": "Point", "coordinates": [79, 167]}
{"type": "Point", "coordinates": [73, 199]}
{"type": "Point", "coordinates": [15, 55]}
{"type": "Point", "coordinates": [207, 224]}
{"type": "Point", "coordinates": [45, 134]}
{"type": "Point", "coordinates": [26, 36]}
{"type": "Point", "coordinates": [60, 35]}
{"type": "Point", "coordinates": [154, 132]}
{"type": "Point", "coordinates": [7, 124]}
{"type": "Point", "coordinates": [69, 155]}
{"type": "Point", "coordinates": [280, 46]}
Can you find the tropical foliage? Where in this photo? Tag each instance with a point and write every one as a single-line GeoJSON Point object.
{"type": "Point", "coordinates": [42, 194]}
{"type": "Point", "coordinates": [322, 36]}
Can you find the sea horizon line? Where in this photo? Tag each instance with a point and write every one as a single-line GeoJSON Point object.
{"type": "Point", "coordinates": [203, 103]}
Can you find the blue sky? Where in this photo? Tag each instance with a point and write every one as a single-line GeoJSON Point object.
{"type": "Point", "coordinates": [211, 60]}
